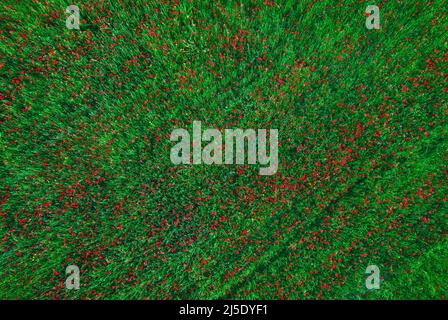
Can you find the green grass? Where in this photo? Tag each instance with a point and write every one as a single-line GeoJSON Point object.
{"type": "Point", "coordinates": [85, 171]}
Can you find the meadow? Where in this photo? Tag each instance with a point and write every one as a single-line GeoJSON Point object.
{"type": "Point", "coordinates": [85, 171]}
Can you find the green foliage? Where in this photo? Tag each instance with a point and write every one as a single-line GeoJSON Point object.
{"type": "Point", "coordinates": [86, 177]}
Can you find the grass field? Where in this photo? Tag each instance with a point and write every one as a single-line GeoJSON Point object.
{"type": "Point", "coordinates": [85, 171]}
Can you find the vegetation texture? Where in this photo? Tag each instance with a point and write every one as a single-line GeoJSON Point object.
{"type": "Point", "coordinates": [85, 170]}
